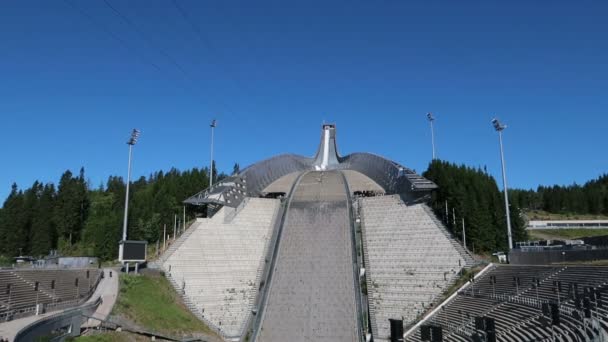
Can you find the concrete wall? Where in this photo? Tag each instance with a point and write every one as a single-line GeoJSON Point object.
{"type": "Point", "coordinates": [63, 325]}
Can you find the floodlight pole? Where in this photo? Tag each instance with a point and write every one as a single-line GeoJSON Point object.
{"type": "Point", "coordinates": [124, 223]}
{"type": "Point", "coordinates": [431, 119]}
{"type": "Point", "coordinates": [132, 141]}
{"type": "Point", "coordinates": [499, 127]}
{"type": "Point", "coordinates": [212, 125]}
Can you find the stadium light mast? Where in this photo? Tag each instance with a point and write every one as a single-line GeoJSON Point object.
{"type": "Point", "coordinates": [499, 127]}
{"type": "Point", "coordinates": [131, 142]}
{"type": "Point", "coordinates": [431, 119]}
{"type": "Point", "coordinates": [212, 125]}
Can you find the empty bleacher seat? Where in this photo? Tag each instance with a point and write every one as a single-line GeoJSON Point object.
{"type": "Point", "coordinates": [410, 261]}
{"type": "Point", "coordinates": [218, 267]}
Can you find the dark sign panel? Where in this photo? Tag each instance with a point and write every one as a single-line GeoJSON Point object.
{"type": "Point", "coordinates": [134, 250]}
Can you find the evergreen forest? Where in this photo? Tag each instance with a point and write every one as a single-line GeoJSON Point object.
{"type": "Point", "coordinates": [77, 219]}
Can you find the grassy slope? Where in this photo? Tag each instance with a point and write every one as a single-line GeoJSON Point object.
{"type": "Point", "coordinates": [151, 302]}
{"type": "Point", "coordinates": [111, 337]}
{"type": "Point", "coordinates": [565, 233]}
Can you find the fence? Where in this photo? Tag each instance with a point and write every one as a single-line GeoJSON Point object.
{"type": "Point", "coordinates": [58, 326]}
{"type": "Point", "coordinates": [548, 257]}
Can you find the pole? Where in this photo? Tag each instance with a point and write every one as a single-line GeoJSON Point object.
{"type": "Point", "coordinates": [447, 218]}
{"type": "Point", "coordinates": [433, 139]}
{"type": "Point", "coordinates": [506, 191]}
{"type": "Point", "coordinates": [184, 228]}
{"type": "Point", "coordinates": [124, 223]}
{"type": "Point", "coordinates": [174, 225]}
{"type": "Point", "coordinates": [464, 235]}
{"type": "Point", "coordinates": [165, 237]}
{"type": "Point", "coordinates": [454, 218]}
{"type": "Point", "coordinates": [211, 164]}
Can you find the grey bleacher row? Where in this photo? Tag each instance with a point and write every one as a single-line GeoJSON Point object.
{"type": "Point", "coordinates": [217, 265]}
{"type": "Point", "coordinates": [517, 309]}
{"type": "Point", "coordinates": [22, 298]}
{"type": "Point", "coordinates": [410, 260]}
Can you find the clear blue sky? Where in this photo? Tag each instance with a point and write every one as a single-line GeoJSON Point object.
{"type": "Point", "coordinates": [74, 82]}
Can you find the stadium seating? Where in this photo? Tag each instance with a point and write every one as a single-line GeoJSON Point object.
{"type": "Point", "coordinates": [23, 298]}
{"type": "Point", "coordinates": [410, 260]}
{"type": "Point", "coordinates": [515, 302]}
{"type": "Point", "coordinates": [218, 267]}
{"type": "Point", "coordinates": [358, 182]}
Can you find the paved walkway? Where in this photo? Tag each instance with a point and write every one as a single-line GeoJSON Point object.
{"type": "Point", "coordinates": [107, 289]}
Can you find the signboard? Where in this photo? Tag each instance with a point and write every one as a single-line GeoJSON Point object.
{"type": "Point", "coordinates": [132, 251]}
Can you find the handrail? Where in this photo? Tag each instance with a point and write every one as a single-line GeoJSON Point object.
{"type": "Point", "coordinates": [255, 328]}
{"type": "Point", "coordinates": [447, 301]}
{"type": "Point", "coordinates": [56, 316]}
{"type": "Point", "coordinates": [356, 278]}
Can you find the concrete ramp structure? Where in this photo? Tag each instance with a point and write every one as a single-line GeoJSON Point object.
{"type": "Point", "coordinates": [314, 249]}
{"type": "Point", "coordinates": [313, 293]}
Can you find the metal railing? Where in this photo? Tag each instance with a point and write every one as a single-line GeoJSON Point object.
{"type": "Point", "coordinates": [25, 311]}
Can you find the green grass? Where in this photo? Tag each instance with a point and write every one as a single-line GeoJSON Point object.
{"type": "Point", "coordinates": [151, 302]}
{"type": "Point", "coordinates": [565, 233]}
{"type": "Point", "coordinates": [105, 337]}
{"type": "Point", "coordinates": [543, 215]}
{"type": "Point", "coordinates": [5, 261]}
{"type": "Point", "coordinates": [463, 279]}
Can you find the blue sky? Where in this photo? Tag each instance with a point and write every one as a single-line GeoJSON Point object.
{"type": "Point", "coordinates": [76, 78]}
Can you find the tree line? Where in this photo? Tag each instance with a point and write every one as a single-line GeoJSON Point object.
{"type": "Point", "coordinates": [77, 219]}
{"type": "Point", "coordinates": [472, 194]}
{"type": "Point", "coordinates": [590, 198]}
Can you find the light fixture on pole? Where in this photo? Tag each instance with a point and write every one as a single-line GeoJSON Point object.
{"type": "Point", "coordinates": [431, 119]}
{"type": "Point", "coordinates": [212, 125]}
{"type": "Point", "coordinates": [499, 127]}
{"type": "Point", "coordinates": [131, 142]}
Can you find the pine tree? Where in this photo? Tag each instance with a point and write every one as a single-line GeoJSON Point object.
{"type": "Point", "coordinates": [103, 227]}
{"type": "Point", "coordinates": [474, 196]}
{"type": "Point", "coordinates": [43, 232]}
{"type": "Point", "coordinates": [71, 206]}
{"type": "Point", "coordinates": [13, 221]}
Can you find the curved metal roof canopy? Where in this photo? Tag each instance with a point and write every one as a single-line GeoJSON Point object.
{"type": "Point", "coordinates": [250, 182]}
